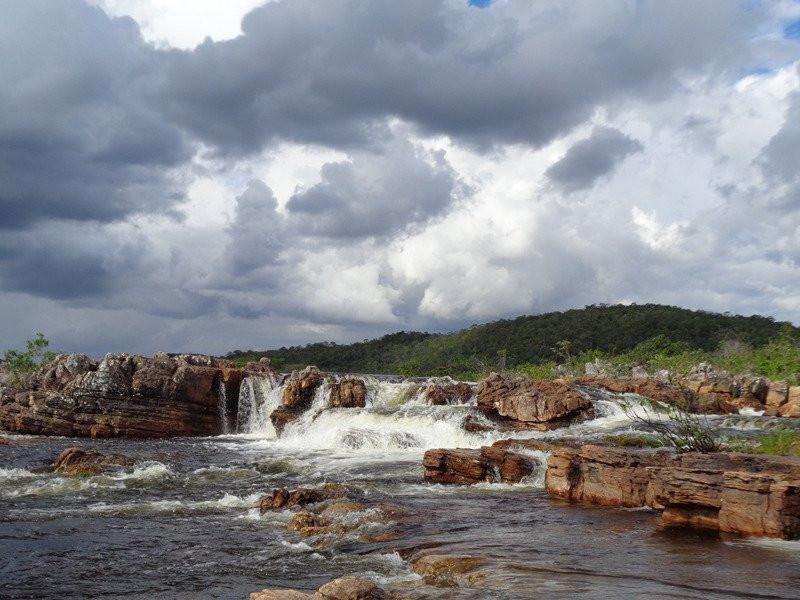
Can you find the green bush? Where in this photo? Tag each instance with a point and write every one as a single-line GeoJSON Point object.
{"type": "Point", "coordinates": [23, 364]}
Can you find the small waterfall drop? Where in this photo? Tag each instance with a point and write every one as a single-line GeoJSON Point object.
{"type": "Point", "coordinates": [258, 397]}
{"type": "Point", "coordinates": [223, 407]}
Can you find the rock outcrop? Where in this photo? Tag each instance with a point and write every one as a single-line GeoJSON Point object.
{"type": "Point", "coordinates": [298, 394]}
{"type": "Point", "coordinates": [467, 466]}
{"type": "Point", "coordinates": [442, 394]}
{"type": "Point", "coordinates": [754, 495]}
{"type": "Point", "coordinates": [531, 404]}
{"type": "Point", "coordinates": [122, 395]}
{"type": "Point", "coordinates": [343, 588]}
{"type": "Point", "coordinates": [348, 393]}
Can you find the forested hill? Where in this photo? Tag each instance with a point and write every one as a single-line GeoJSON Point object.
{"type": "Point", "coordinates": [528, 339]}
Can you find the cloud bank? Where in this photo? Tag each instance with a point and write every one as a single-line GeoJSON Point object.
{"type": "Point", "coordinates": [343, 169]}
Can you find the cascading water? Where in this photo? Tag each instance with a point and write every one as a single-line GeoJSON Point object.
{"type": "Point", "coordinates": [259, 395]}
{"type": "Point", "coordinates": [223, 406]}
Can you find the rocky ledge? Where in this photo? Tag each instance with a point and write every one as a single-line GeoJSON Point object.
{"type": "Point", "coordinates": [752, 495]}
{"type": "Point", "coordinates": [344, 588]}
{"type": "Point", "coordinates": [123, 395]}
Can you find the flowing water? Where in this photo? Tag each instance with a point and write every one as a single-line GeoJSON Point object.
{"type": "Point", "coordinates": [179, 523]}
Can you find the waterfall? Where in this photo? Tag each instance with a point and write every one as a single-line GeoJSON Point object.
{"type": "Point", "coordinates": [223, 407]}
{"type": "Point", "coordinates": [258, 397]}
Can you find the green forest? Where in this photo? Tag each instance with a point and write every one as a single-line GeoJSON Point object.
{"type": "Point", "coordinates": [650, 335]}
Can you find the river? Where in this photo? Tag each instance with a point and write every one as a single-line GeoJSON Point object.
{"type": "Point", "coordinates": [180, 523]}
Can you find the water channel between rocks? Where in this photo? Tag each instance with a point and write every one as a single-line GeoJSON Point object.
{"type": "Point", "coordinates": [179, 524]}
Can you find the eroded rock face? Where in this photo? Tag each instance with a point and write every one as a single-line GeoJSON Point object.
{"type": "Point", "coordinates": [457, 393]}
{"type": "Point", "coordinates": [753, 495]}
{"type": "Point", "coordinates": [467, 466]}
{"type": "Point", "coordinates": [532, 404]}
{"type": "Point", "coordinates": [348, 393]}
{"type": "Point", "coordinates": [122, 395]}
{"type": "Point", "coordinates": [298, 393]}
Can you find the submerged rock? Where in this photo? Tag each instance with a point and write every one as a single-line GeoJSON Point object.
{"type": "Point", "coordinates": [343, 588]}
{"type": "Point", "coordinates": [532, 404]}
{"type": "Point", "coordinates": [79, 461]}
{"type": "Point", "coordinates": [438, 565]}
{"type": "Point", "coordinates": [282, 498]}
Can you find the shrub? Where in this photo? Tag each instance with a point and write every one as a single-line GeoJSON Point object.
{"type": "Point", "coordinates": [23, 364]}
{"type": "Point", "coordinates": [683, 431]}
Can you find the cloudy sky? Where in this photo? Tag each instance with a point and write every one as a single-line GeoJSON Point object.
{"type": "Point", "coordinates": [214, 175]}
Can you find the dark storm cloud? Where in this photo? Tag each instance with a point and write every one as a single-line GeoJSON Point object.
{"type": "Point", "coordinates": [67, 262]}
{"type": "Point", "coordinates": [332, 72]}
{"type": "Point", "coordinates": [378, 193]}
{"type": "Point", "coordinates": [256, 236]}
{"type": "Point", "coordinates": [78, 139]}
{"type": "Point", "coordinates": [588, 160]}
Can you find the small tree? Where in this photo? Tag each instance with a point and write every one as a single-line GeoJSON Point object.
{"type": "Point", "coordinates": [23, 364]}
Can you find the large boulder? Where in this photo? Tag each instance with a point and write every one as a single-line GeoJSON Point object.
{"type": "Point", "coordinates": [467, 466]}
{"type": "Point", "coordinates": [298, 394]}
{"type": "Point", "coordinates": [348, 393]}
{"type": "Point", "coordinates": [123, 395]}
{"type": "Point", "coordinates": [532, 404]}
{"type": "Point", "coordinates": [442, 394]}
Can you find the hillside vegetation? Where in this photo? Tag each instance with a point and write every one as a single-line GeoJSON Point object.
{"type": "Point", "coordinates": [651, 335]}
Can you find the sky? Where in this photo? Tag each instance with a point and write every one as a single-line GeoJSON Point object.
{"type": "Point", "coordinates": [208, 176]}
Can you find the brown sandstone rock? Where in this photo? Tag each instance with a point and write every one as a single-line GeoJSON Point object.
{"type": "Point", "coordinates": [350, 588]}
{"type": "Point", "coordinates": [122, 395]}
{"type": "Point", "coordinates": [298, 393]}
{"type": "Point", "coordinates": [279, 595]}
{"type": "Point", "coordinates": [658, 390]}
{"type": "Point", "coordinates": [440, 395]}
{"type": "Point", "coordinates": [467, 466]}
{"type": "Point", "coordinates": [533, 404]}
{"type": "Point", "coordinates": [446, 564]}
{"type": "Point", "coordinates": [778, 393]}
{"type": "Point", "coordinates": [348, 393]}
{"type": "Point", "coordinates": [76, 461]}
{"type": "Point", "coordinates": [283, 498]}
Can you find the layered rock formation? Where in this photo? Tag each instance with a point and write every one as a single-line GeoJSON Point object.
{"type": "Point", "coordinates": [123, 395]}
{"type": "Point", "coordinates": [752, 495]}
{"type": "Point", "coordinates": [298, 393]}
{"type": "Point", "coordinates": [466, 466]}
{"type": "Point", "coordinates": [528, 404]}
{"type": "Point", "coordinates": [706, 391]}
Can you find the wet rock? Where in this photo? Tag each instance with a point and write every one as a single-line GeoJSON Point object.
{"type": "Point", "coordinates": [351, 588]}
{"type": "Point", "coordinates": [446, 564]}
{"type": "Point", "coordinates": [298, 393]}
{"type": "Point", "coordinates": [468, 466]}
{"type": "Point", "coordinates": [341, 509]}
{"type": "Point", "coordinates": [440, 395]}
{"type": "Point", "coordinates": [660, 391]}
{"type": "Point", "coordinates": [122, 395]}
{"type": "Point", "coordinates": [279, 595]}
{"type": "Point", "coordinates": [532, 404]}
{"type": "Point", "coordinates": [283, 498]}
{"type": "Point", "coordinates": [755, 495]}
{"type": "Point", "coordinates": [602, 474]}
{"type": "Point", "coordinates": [348, 393]}
{"type": "Point", "coordinates": [76, 461]}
